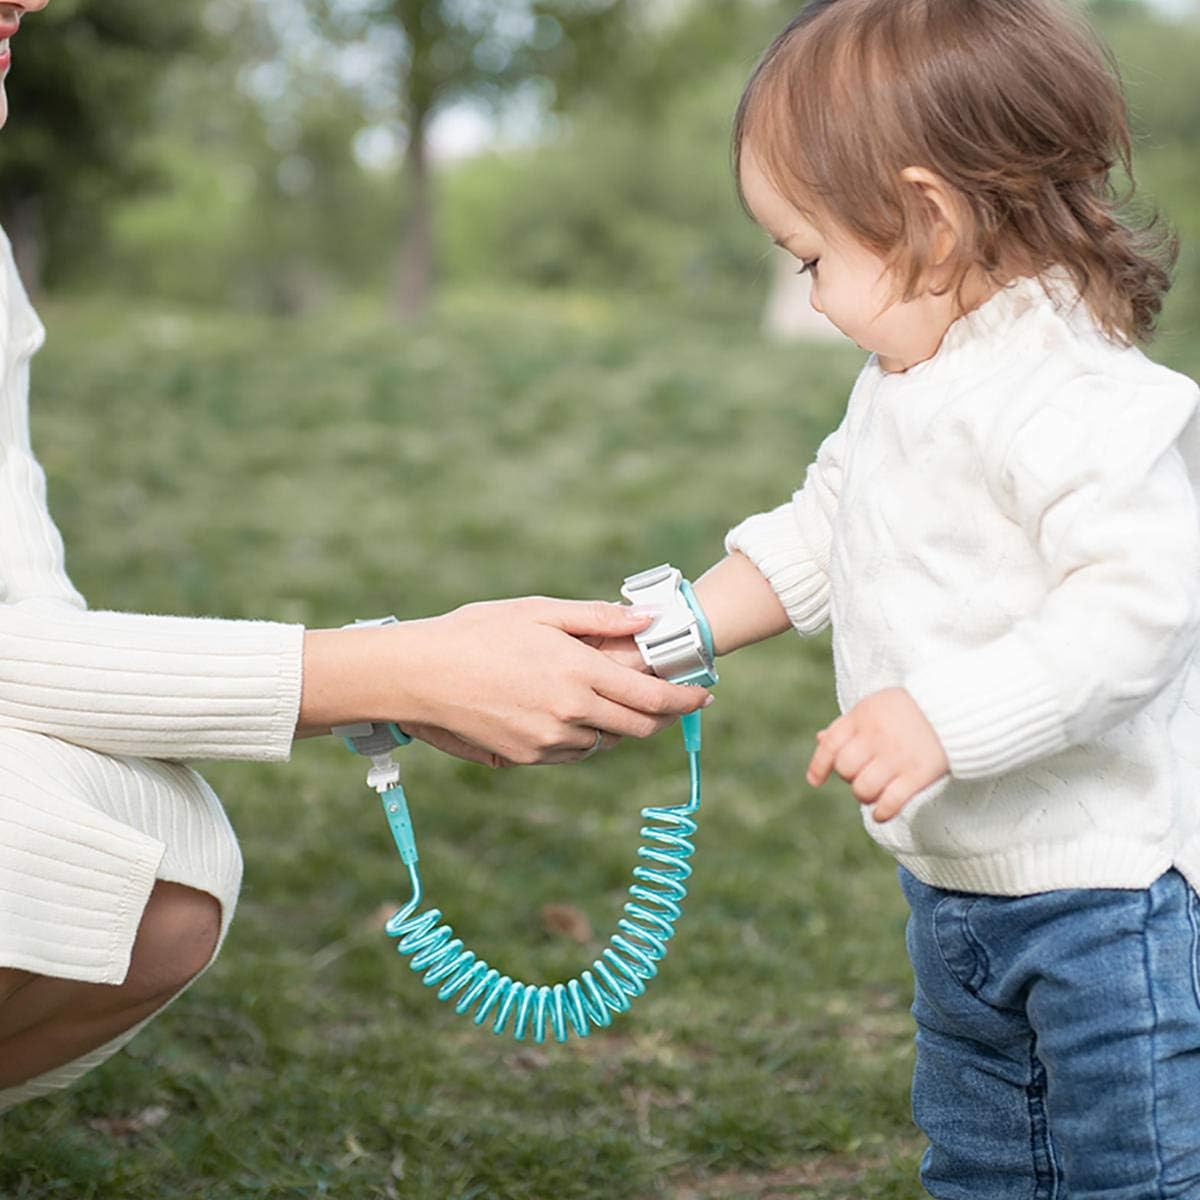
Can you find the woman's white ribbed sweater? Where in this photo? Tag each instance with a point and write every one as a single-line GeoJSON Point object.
{"type": "Point", "coordinates": [1010, 531]}
{"type": "Point", "coordinates": [74, 870]}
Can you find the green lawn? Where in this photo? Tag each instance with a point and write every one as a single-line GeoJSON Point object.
{"type": "Point", "coordinates": [340, 468]}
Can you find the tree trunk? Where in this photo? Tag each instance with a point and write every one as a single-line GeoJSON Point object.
{"type": "Point", "coordinates": [22, 219]}
{"type": "Point", "coordinates": [415, 275]}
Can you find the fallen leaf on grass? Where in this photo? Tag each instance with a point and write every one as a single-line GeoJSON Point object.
{"type": "Point", "coordinates": [381, 916]}
{"type": "Point", "coordinates": [354, 1152]}
{"type": "Point", "coordinates": [527, 1060]}
{"type": "Point", "coordinates": [640, 1100]}
{"type": "Point", "coordinates": [565, 920]}
{"type": "Point", "coordinates": [139, 1122]}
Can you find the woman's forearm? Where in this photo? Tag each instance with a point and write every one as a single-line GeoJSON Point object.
{"type": "Point", "coordinates": [340, 670]}
{"type": "Point", "coordinates": [512, 678]}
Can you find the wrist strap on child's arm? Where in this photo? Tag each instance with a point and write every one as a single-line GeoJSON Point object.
{"type": "Point", "coordinates": [678, 644]}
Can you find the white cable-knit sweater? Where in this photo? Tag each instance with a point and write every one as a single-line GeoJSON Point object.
{"type": "Point", "coordinates": [74, 878]}
{"type": "Point", "coordinates": [1011, 531]}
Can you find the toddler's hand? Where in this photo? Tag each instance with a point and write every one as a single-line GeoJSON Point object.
{"type": "Point", "coordinates": [884, 748]}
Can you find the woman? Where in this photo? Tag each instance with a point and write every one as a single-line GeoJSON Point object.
{"type": "Point", "coordinates": [119, 871]}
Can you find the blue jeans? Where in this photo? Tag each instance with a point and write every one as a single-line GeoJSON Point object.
{"type": "Point", "coordinates": [1058, 1042]}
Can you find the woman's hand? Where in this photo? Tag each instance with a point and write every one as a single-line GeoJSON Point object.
{"type": "Point", "coordinates": [884, 748]}
{"type": "Point", "coordinates": [503, 682]}
{"type": "Point", "coordinates": [622, 650]}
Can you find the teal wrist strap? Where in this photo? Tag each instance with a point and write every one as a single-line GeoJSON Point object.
{"type": "Point", "coordinates": [689, 594]}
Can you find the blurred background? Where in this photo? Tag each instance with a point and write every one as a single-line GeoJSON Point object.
{"type": "Point", "coordinates": [368, 306]}
{"type": "Point", "coordinates": [283, 155]}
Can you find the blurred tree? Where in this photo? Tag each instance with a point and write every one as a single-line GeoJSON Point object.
{"type": "Point", "coordinates": [636, 192]}
{"type": "Point", "coordinates": [678, 44]}
{"type": "Point", "coordinates": [262, 204]}
{"type": "Point", "coordinates": [83, 85]}
{"type": "Point", "coordinates": [447, 51]}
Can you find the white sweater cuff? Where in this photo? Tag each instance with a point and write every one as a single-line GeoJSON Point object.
{"type": "Point", "coordinates": [772, 542]}
{"type": "Point", "coordinates": [994, 708]}
{"type": "Point", "coordinates": [151, 686]}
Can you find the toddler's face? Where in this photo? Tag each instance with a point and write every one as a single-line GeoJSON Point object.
{"type": "Point", "coordinates": [851, 284]}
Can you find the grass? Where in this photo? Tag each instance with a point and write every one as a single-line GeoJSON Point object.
{"type": "Point", "coordinates": [327, 470]}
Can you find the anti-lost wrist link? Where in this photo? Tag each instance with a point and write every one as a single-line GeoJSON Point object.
{"type": "Point", "coordinates": [677, 646]}
{"type": "Point", "coordinates": [375, 739]}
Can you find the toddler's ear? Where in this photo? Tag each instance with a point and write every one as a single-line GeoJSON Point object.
{"type": "Point", "coordinates": [942, 207]}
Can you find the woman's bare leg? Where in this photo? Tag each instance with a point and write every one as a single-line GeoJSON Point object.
{"type": "Point", "coordinates": [46, 1022]}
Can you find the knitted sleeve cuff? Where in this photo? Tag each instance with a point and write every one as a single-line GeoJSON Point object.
{"type": "Point", "coordinates": [994, 708]}
{"type": "Point", "coordinates": [151, 686]}
{"type": "Point", "coordinates": [772, 541]}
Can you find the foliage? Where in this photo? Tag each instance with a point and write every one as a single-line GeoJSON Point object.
{"type": "Point", "coordinates": [84, 81]}
{"type": "Point", "coordinates": [615, 204]}
{"type": "Point", "coordinates": [448, 50]}
{"type": "Point", "coordinates": [263, 199]}
{"type": "Point", "coordinates": [451, 50]}
{"type": "Point", "coordinates": [637, 193]}
{"type": "Point", "coordinates": [285, 223]}
{"type": "Point", "coordinates": [1158, 61]}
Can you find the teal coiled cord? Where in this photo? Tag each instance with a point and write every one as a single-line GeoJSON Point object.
{"type": "Point", "coordinates": [615, 979]}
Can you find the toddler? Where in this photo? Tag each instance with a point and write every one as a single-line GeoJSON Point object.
{"type": "Point", "coordinates": [1004, 534]}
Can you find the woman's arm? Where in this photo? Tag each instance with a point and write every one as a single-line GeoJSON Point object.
{"type": "Point", "coordinates": [507, 680]}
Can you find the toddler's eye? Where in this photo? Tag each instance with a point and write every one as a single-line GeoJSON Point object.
{"type": "Point", "coordinates": [808, 265]}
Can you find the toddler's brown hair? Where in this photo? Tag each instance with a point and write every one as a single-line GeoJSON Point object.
{"type": "Point", "coordinates": [1016, 105]}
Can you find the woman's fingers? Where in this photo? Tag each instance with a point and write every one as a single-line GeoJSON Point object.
{"type": "Point", "coordinates": [621, 722]}
{"type": "Point", "coordinates": [588, 618]}
{"type": "Point", "coordinates": [449, 743]}
{"type": "Point", "coordinates": [596, 741]}
{"type": "Point", "coordinates": [622, 651]}
{"type": "Point", "coordinates": [584, 745]}
{"type": "Point", "coordinates": [624, 678]}
{"type": "Point", "coordinates": [645, 694]}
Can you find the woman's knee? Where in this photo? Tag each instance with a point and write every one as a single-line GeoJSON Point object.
{"type": "Point", "coordinates": [12, 980]}
{"type": "Point", "coordinates": [176, 940]}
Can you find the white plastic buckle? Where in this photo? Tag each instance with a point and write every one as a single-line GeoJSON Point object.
{"type": "Point", "coordinates": [384, 773]}
{"type": "Point", "coordinates": [672, 646]}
